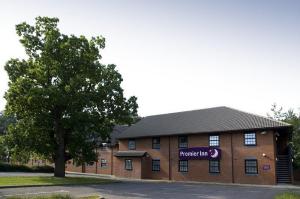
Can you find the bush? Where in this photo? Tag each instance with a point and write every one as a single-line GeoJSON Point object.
{"type": "Point", "coordinates": [23, 168]}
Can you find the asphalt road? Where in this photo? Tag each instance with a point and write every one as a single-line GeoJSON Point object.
{"type": "Point", "coordinates": [163, 190]}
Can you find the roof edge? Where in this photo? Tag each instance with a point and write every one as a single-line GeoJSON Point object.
{"type": "Point", "coordinates": [207, 132]}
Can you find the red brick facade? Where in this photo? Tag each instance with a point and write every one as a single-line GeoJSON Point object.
{"type": "Point", "coordinates": [105, 155]}
{"type": "Point", "coordinates": [232, 162]}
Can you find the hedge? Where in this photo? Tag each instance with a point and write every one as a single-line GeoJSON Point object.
{"type": "Point", "coordinates": [4, 167]}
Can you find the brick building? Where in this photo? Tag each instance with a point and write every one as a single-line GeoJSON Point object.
{"type": "Point", "coordinates": [211, 145]}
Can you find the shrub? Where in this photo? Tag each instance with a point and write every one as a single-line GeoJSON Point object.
{"type": "Point", "coordinates": [4, 167]}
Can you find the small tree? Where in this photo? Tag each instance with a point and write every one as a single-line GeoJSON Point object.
{"type": "Point", "coordinates": [62, 97]}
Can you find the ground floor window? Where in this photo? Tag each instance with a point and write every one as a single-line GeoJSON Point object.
{"type": "Point", "coordinates": [128, 164]}
{"type": "Point", "coordinates": [214, 166]}
{"type": "Point", "coordinates": [89, 164]}
{"type": "Point", "coordinates": [103, 163]}
{"type": "Point", "coordinates": [183, 166]}
{"type": "Point", "coordinates": [155, 165]}
{"type": "Point", "coordinates": [251, 166]}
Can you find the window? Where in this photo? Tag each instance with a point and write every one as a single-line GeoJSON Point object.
{"type": "Point", "coordinates": [214, 140]}
{"type": "Point", "coordinates": [214, 166]}
{"type": "Point", "coordinates": [155, 165]}
{"type": "Point", "coordinates": [156, 143]}
{"type": "Point", "coordinates": [251, 167]}
{"type": "Point", "coordinates": [128, 164]}
{"type": "Point", "coordinates": [183, 166]}
{"type": "Point", "coordinates": [182, 142]}
{"type": "Point", "coordinates": [131, 144]}
{"type": "Point", "coordinates": [250, 139]}
{"type": "Point", "coordinates": [103, 163]}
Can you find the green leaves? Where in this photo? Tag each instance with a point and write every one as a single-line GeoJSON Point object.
{"type": "Point", "coordinates": [292, 118]}
{"type": "Point", "coordinates": [63, 83]}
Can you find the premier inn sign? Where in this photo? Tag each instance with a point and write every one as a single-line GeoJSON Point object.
{"type": "Point", "coordinates": [195, 153]}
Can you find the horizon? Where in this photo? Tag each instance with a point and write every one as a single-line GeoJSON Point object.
{"type": "Point", "coordinates": [176, 56]}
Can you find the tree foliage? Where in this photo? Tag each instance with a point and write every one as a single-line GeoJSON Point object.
{"type": "Point", "coordinates": [5, 121]}
{"type": "Point", "coordinates": [292, 118]}
{"type": "Point", "coordinates": [62, 97]}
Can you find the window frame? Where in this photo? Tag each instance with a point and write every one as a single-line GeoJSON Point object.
{"type": "Point", "coordinates": [180, 166]}
{"type": "Point", "coordinates": [247, 173]}
{"type": "Point", "coordinates": [154, 145]}
{"type": "Point", "coordinates": [102, 164]}
{"type": "Point", "coordinates": [218, 140]}
{"type": "Point", "coordinates": [155, 167]}
{"type": "Point", "coordinates": [179, 143]}
{"type": "Point", "coordinates": [129, 146]}
{"type": "Point", "coordinates": [210, 166]}
{"type": "Point", "coordinates": [131, 165]}
{"type": "Point", "coordinates": [245, 139]}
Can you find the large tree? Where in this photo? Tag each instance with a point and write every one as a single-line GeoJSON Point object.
{"type": "Point", "coordinates": [62, 97]}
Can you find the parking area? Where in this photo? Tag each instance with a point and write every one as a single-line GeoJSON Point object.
{"type": "Point", "coordinates": [163, 190]}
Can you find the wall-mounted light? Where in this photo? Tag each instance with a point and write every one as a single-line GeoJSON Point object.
{"type": "Point", "coordinates": [263, 132]}
{"type": "Point", "coordinates": [264, 155]}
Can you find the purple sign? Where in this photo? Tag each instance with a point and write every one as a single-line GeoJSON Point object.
{"type": "Point", "coordinates": [199, 153]}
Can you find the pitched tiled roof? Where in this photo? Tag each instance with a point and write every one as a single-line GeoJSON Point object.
{"type": "Point", "coordinates": [211, 120]}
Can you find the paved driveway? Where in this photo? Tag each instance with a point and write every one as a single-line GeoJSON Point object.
{"type": "Point", "coordinates": [162, 190]}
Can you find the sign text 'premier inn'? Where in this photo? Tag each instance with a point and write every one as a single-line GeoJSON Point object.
{"type": "Point", "coordinates": [199, 153]}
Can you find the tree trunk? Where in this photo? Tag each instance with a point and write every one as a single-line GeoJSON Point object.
{"type": "Point", "coordinates": [59, 169]}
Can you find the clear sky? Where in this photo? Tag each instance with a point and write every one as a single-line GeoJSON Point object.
{"type": "Point", "coordinates": [181, 55]}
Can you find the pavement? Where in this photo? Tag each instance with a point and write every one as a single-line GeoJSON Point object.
{"type": "Point", "coordinates": [158, 189]}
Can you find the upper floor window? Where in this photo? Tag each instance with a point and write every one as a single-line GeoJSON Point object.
{"type": "Point", "coordinates": [250, 139]}
{"type": "Point", "coordinates": [214, 140]}
{"type": "Point", "coordinates": [156, 143]}
{"type": "Point", "coordinates": [128, 164]}
{"type": "Point", "coordinates": [155, 165]}
{"type": "Point", "coordinates": [183, 142]}
{"type": "Point", "coordinates": [251, 166]}
{"type": "Point", "coordinates": [131, 144]}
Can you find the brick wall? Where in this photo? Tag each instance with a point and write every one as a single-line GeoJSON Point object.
{"type": "Point", "coordinates": [105, 153]}
{"type": "Point", "coordinates": [198, 170]}
{"type": "Point", "coordinates": [119, 168]}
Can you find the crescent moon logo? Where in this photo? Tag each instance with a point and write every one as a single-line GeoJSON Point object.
{"type": "Point", "coordinates": [215, 154]}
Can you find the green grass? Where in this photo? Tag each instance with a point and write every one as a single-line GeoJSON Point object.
{"type": "Point", "coordinates": [288, 195]}
{"type": "Point", "coordinates": [55, 196]}
{"type": "Point", "coordinates": [47, 180]}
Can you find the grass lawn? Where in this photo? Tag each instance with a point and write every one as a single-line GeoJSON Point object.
{"type": "Point", "coordinates": [55, 196]}
{"type": "Point", "coordinates": [288, 195]}
{"type": "Point", "coordinates": [48, 180]}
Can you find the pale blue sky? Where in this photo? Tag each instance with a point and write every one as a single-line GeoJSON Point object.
{"type": "Point", "coordinates": [181, 55]}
